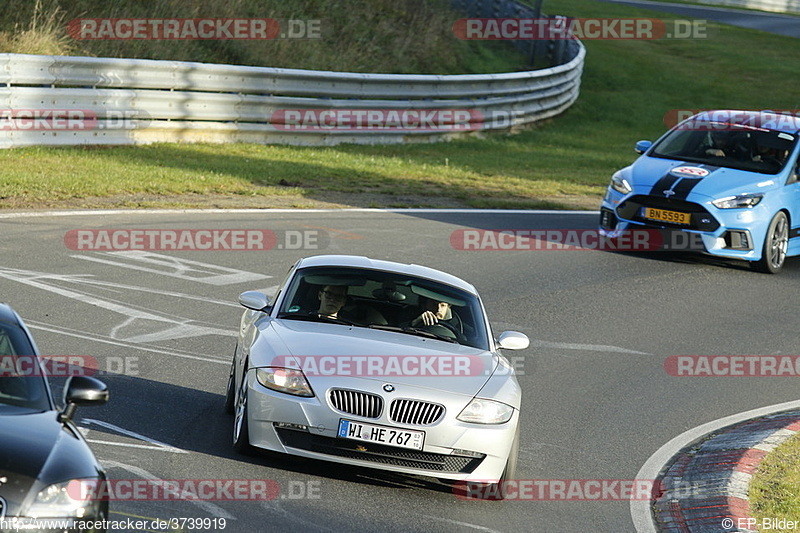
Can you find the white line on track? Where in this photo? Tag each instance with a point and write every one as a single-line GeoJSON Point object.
{"type": "Point", "coordinates": [130, 445]}
{"type": "Point", "coordinates": [641, 513]}
{"type": "Point", "coordinates": [85, 280]}
{"type": "Point", "coordinates": [174, 328]}
{"type": "Point", "coordinates": [109, 212]}
{"type": "Point", "coordinates": [286, 516]}
{"type": "Point", "coordinates": [207, 506]}
{"type": "Point", "coordinates": [463, 524]}
{"type": "Point", "coordinates": [590, 347]}
{"type": "Point", "coordinates": [96, 338]}
{"type": "Point", "coordinates": [133, 434]}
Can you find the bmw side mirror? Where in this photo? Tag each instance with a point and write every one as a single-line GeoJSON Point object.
{"type": "Point", "coordinates": [513, 340]}
{"type": "Point", "coordinates": [82, 390]}
{"type": "Point", "coordinates": [254, 300]}
{"type": "Point", "coordinates": [643, 146]}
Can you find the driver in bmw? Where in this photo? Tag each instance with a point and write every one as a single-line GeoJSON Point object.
{"type": "Point", "coordinates": [435, 312]}
{"type": "Point", "coordinates": [331, 300]}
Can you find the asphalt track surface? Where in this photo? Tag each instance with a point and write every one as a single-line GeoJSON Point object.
{"type": "Point", "coordinates": [597, 401]}
{"type": "Point", "coordinates": [787, 25]}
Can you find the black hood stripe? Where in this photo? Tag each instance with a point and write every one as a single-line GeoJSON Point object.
{"type": "Point", "coordinates": [663, 184]}
{"type": "Point", "coordinates": [679, 187]}
{"type": "Point", "coordinates": [684, 187]}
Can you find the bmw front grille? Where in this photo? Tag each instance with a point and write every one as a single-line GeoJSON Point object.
{"type": "Point", "coordinates": [356, 403]}
{"type": "Point", "coordinates": [415, 412]}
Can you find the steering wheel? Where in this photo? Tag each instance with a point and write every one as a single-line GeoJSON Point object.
{"type": "Point", "coordinates": [451, 330]}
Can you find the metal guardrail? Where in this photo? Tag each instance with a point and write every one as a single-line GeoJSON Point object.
{"type": "Point", "coordinates": [62, 100]}
{"type": "Point", "coordinates": [774, 6]}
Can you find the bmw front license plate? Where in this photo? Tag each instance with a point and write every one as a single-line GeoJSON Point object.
{"type": "Point", "coordinates": [662, 215]}
{"type": "Point", "coordinates": [402, 438]}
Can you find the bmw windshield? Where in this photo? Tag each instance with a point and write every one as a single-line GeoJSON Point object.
{"type": "Point", "coordinates": [719, 144]}
{"type": "Point", "coordinates": [385, 300]}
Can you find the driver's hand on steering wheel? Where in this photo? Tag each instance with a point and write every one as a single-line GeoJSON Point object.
{"type": "Point", "coordinates": [427, 318]}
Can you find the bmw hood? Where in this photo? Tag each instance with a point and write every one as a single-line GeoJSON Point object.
{"type": "Point", "coordinates": [678, 179]}
{"type": "Point", "coordinates": [36, 450]}
{"type": "Point", "coordinates": [348, 354]}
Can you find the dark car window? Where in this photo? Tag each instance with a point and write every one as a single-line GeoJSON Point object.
{"type": "Point", "coordinates": [728, 145]}
{"type": "Point", "coordinates": [385, 299]}
{"type": "Point", "coordinates": [21, 378]}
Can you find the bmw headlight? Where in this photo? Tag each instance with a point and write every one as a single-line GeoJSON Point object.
{"type": "Point", "coordinates": [620, 184]}
{"type": "Point", "coordinates": [739, 201]}
{"type": "Point", "coordinates": [482, 411]}
{"type": "Point", "coordinates": [66, 500]}
{"type": "Point", "coordinates": [288, 380]}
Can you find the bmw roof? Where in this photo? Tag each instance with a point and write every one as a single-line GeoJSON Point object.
{"type": "Point", "coordinates": [389, 266]}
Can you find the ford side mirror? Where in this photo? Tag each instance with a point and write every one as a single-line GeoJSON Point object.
{"type": "Point", "coordinates": [643, 146]}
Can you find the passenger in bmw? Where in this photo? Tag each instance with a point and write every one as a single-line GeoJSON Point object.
{"type": "Point", "coordinates": [332, 301]}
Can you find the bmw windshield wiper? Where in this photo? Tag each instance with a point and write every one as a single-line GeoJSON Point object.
{"type": "Point", "coordinates": [313, 316]}
{"type": "Point", "coordinates": [414, 331]}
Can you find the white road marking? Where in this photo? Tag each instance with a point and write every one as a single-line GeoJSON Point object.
{"type": "Point", "coordinates": [133, 434]}
{"type": "Point", "coordinates": [84, 280]}
{"type": "Point", "coordinates": [276, 507]}
{"type": "Point", "coordinates": [589, 347]}
{"type": "Point", "coordinates": [464, 524]}
{"type": "Point", "coordinates": [131, 445]}
{"type": "Point", "coordinates": [97, 338]}
{"type": "Point", "coordinates": [178, 328]}
{"type": "Point", "coordinates": [150, 212]}
{"type": "Point", "coordinates": [211, 508]}
{"type": "Point", "coordinates": [175, 267]}
{"type": "Point", "coordinates": [536, 343]}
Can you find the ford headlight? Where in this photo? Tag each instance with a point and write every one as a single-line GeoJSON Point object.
{"type": "Point", "coordinates": [620, 184]}
{"type": "Point", "coordinates": [482, 411]}
{"type": "Point", "coordinates": [69, 499]}
{"type": "Point", "coordinates": [739, 201]}
{"type": "Point", "coordinates": [288, 380]}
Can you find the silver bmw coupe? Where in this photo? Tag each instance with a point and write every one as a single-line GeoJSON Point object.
{"type": "Point", "coordinates": [376, 364]}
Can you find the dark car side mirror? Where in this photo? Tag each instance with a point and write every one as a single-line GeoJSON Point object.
{"type": "Point", "coordinates": [642, 146]}
{"type": "Point", "coordinates": [82, 390]}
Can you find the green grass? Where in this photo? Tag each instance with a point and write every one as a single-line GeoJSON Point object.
{"type": "Point", "coordinates": [393, 36]}
{"type": "Point", "coordinates": [775, 487]}
{"type": "Point", "coordinates": [627, 88]}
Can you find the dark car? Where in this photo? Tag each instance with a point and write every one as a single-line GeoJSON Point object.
{"type": "Point", "coordinates": [44, 459]}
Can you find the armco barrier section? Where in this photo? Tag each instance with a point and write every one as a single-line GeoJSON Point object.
{"type": "Point", "coordinates": [775, 6]}
{"type": "Point", "coordinates": [63, 100]}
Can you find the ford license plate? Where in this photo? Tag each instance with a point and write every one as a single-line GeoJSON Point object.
{"type": "Point", "coordinates": [663, 215]}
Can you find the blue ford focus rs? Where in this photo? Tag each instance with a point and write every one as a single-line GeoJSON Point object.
{"type": "Point", "coordinates": [729, 177]}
